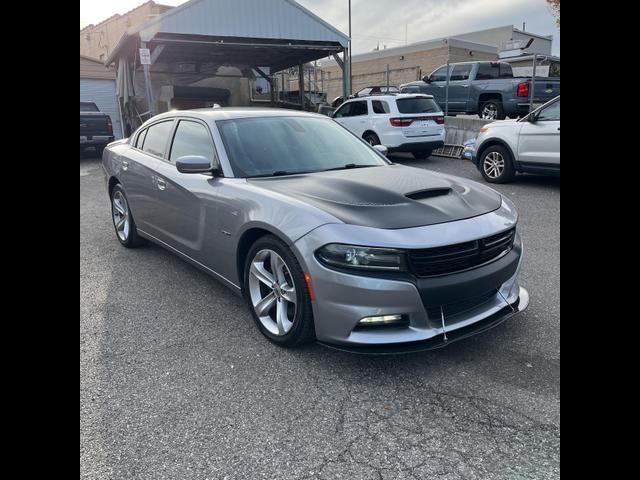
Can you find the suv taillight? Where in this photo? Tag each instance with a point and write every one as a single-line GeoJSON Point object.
{"type": "Point", "coordinates": [523, 89]}
{"type": "Point", "coordinates": [439, 120]}
{"type": "Point", "coordinates": [109, 125]}
{"type": "Point", "coordinates": [401, 122]}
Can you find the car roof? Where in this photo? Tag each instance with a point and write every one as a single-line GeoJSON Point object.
{"type": "Point", "coordinates": [396, 96]}
{"type": "Point", "coordinates": [231, 113]}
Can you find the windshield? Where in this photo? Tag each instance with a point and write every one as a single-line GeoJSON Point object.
{"type": "Point", "coordinates": [88, 107]}
{"type": "Point", "coordinates": [417, 105]}
{"type": "Point", "coordinates": [270, 146]}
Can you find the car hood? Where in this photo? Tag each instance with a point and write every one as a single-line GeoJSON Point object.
{"type": "Point", "coordinates": [387, 197]}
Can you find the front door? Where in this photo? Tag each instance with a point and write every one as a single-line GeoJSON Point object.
{"type": "Point", "coordinates": [353, 116]}
{"type": "Point", "coordinates": [539, 141]}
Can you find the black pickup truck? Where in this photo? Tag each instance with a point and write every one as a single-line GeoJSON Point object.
{"type": "Point", "coordinates": [487, 89]}
{"type": "Point", "coordinates": [96, 129]}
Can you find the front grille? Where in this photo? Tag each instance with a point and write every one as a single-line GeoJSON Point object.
{"type": "Point", "coordinates": [430, 262]}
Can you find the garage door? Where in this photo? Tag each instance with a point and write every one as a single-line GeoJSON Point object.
{"type": "Point", "coordinates": [103, 94]}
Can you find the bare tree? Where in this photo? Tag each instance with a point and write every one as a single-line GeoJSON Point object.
{"type": "Point", "coordinates": [555, 8]}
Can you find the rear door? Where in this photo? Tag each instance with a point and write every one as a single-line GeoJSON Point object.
{"type": "Point", "coordinates": [180, 197]}
{"type": "Point", "coordinates": [539, 142]}
{"type": "Point", "coordinates": [459, 87]}
{"type": "Point", "coordinates": [140, 174]}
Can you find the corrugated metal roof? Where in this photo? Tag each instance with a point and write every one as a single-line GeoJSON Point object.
{"type": "Point", "coordinates": [272, 19]}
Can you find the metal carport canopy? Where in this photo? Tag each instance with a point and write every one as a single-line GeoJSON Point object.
{"type": "Point", "coordinates": [262, 33]}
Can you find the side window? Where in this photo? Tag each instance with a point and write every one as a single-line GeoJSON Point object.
{"type": "Point", "coordinates": [140, 139]}
{"type": "Point", "coordinates": [343, 111]}
{"type": "Point", "coordinates": [487, 71]}
{"type": "Point", "coordinates": [191, 138]}
{"type": "Point", "coordinates": [358, 108]}
{"type": "Point", "coordinates": [157, 138]}
{"type": "Point", "coordinates": [380, 107]}
{"type": "Point", "coordinates": [506, 70]}
{"type": "Point", "coordinates": [552, 112]}
{"type": "Point", "coordinates": [440, 75]}
{"type": "Point", "coordinates": [461, 72]}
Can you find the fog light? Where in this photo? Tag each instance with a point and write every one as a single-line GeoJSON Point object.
{"type": "Point", "coordinates": [381, 320]}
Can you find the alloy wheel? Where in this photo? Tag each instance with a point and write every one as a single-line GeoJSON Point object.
{"type": "Point", "coordinates": [272, 292]}
{"type": "Point", "coordinates": [121, 218]}
{"type": "Point", "coordinates": [493, 165]}
{"type": "Point", "coordinates": [489, 112]}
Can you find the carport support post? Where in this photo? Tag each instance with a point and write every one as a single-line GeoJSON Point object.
{"type": "Point", "coordinates": [301, 84]}
{"type": "Point", "coordinates": [533, 81]}
{"type": "Point", "coordinates": [147, 84]}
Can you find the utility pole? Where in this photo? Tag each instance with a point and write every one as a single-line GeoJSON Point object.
{"type": "Point", "coordinates": [446, 90]}
{"type": "Point", "coordinates": [350, 47]}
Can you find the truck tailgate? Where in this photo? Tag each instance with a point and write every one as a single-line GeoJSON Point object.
{"type": "Point", "coordinates": [546, 89]}
{"type": "Point", "coordinates": [94, 124]}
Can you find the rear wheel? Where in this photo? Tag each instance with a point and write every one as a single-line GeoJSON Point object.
{"type": "Point", "coordinates": [277, 293]}
{"type": "Point", "coordinates": [496, 165]}
{"type": "Point", "coordinates": [421, 154]}
{"type": "Point", "coordinates": [371, 138]}
{"type": "Point", "coordinates": [99, 150]}
{"type": "Point", "coordinates": [123, 222]}
{"type": "Point", "coordinates": [492, 110]}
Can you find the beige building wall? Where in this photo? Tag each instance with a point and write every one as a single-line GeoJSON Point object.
{"type": "Point", "coordinates": [97, 41]}
{"type": "Point", "coordinates": [403, 68]}
{"type": "Point", "coordinates": [93, 68]}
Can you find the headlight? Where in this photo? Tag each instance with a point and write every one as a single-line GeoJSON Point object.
{"type": "Point", "coordinates": [362, 258]}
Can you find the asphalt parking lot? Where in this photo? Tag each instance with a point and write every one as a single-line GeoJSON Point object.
{"type": "Point", "coordinates": [177, 383]}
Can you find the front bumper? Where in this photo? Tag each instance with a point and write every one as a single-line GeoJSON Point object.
{"type": "Point", "coordinates": [439, 341]}
{"type": "Point", "coordinates": [479, 298]}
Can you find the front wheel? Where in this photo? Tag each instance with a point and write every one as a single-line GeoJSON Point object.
{"type": "Point", "coordinates": [277, 293]}
{"type": "Point", "coordinates": [496, 165]}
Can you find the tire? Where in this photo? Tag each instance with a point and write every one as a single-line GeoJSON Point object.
{"type": "Point", "coordinates": [371, 138]}
{"type": "Point", "coordinates": [492, 110]}
{"type": "Point", "coordinates": [126, 233]}
{"type": "Point", "coordinates": [283, 322]}
{"type": "Point", "coordinates": [421, 154]}
{"type": "Point", "coordinates": [99, 150]}
{"type": "Point", "coordinates": [496, 165]}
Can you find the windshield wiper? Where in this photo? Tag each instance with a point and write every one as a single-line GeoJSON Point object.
{"type": "Point", "coordinates": [349, 166]}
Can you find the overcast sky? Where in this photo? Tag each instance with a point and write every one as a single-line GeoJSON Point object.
{"type": "Point", "coordinates": [384, 21]}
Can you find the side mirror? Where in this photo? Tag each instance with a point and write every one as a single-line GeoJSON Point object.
{"type": "Point", "coordinates": [382, 149]}
{"type": "Point", "coordinates": [331, 114]}
{"type": "Point", "coordinates": [533, 118]}
{"type": "Point", "coordinates": [426, 79]}
{"type": "Point", "coordinates": [194, 164]}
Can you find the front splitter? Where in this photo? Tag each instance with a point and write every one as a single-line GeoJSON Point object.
{"type": "Point", "coordinates": [440, 340]}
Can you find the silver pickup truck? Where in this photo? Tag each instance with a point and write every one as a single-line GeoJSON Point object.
{"type": "Point", "coordinates": [487, 89]}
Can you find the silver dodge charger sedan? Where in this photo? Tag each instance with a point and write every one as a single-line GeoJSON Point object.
{"type": "Point", "coordinates": [325, 238]}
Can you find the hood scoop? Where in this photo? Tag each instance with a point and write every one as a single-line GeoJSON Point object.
{"type": "Point", "coordinates": [429, 193]}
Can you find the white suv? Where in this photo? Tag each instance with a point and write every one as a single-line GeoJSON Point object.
{"type": "Point", "coordinates": [531, 145]}
{"type": "Point", "coordinates": [402, 122]}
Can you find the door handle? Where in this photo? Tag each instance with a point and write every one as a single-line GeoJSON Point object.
{"type": "Point", "coordinates": [464, 86]}
{"type": "Point", "coordinates": [558, 128]}
{"type": "Point", "coordinates": [161, 184]}
{"type": "Point", "coordinates": [125, 165]}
